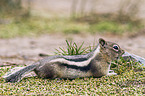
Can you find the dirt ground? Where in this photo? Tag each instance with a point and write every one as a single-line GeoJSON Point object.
{"type": "Point", "coordinates": [24, 51]}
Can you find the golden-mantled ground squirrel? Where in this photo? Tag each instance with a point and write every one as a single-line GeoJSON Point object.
{"type": "Point", "coordinates": [95, 63]}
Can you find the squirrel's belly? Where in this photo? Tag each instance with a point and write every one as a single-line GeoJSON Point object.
{"type": "Point", "coordinates": [100, 70]}
{"type": "Point", "coordinates": [73, 73]}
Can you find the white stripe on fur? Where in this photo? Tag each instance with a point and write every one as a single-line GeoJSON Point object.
{"type": "Point", "coordinates": [81, 64]}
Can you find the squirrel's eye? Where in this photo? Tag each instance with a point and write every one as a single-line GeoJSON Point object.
{"type": "Point", "coordinates": [115, 47]}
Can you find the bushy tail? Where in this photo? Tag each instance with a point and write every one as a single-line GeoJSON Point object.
{"type": "Point", "coordinates": [16, 76]}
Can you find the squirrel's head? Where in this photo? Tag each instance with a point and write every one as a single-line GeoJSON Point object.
{"type": "Point", "coordinates": [110, 51]}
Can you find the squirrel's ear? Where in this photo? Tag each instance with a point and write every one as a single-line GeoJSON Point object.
{"type": "Point", "coordinates": [102, 41]}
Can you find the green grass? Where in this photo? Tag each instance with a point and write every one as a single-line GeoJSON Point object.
{"type": "Point", "coordinates": [36, 26]}
{"type": "Point", "coordinates": [111, 27]}
{"type": "Point", "coordinates": [74, 49]}
{"type": "Point", "coordinates": [127, 83]}
{"type": "Point", "coordinates": [120, 66]}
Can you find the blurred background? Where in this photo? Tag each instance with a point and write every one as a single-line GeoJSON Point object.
{"type": "Point", "coordinates": [35, 17]}
{"type": "Point", "coordinates": [30, 27]}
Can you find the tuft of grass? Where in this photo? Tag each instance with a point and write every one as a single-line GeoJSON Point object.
{"type": "Point", "coordinates": [74, 49]}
